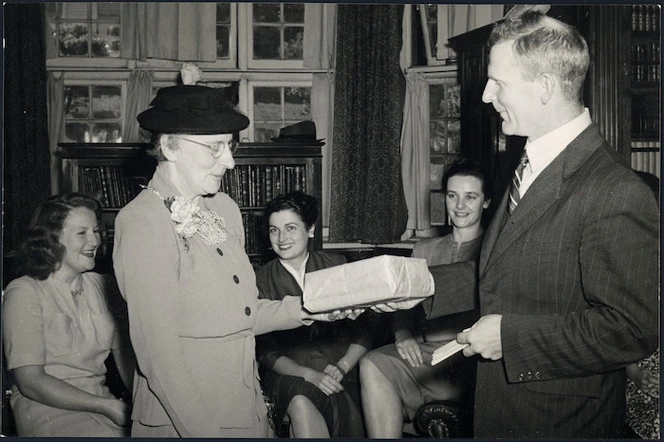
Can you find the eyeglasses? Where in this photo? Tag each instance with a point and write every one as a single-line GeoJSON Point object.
{"type": "Point", "coordinates": [216, 149]}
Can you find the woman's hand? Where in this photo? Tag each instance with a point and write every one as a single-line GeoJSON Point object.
{"type": "Point", "coordinates": [334, 315]}
{"type": "Point", "coordinates": [409, 350]}
{"type": "Point", "coordinates": [335, 372]}
{"type": "Point", "coordinates": [325, 383]}
{"type": "Point", "coordinates": [647, 382]}
{"type": "Point", "coordinates": [119, 412]}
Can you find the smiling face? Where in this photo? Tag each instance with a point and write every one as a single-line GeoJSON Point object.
{"type": "Point", "coordinates": [465, 201]}
{"type": "Point", "coordinates": [289, 236]}
{"type": "Point", "coordinates": [199, 173]}
{"type": "Point", "coordinates": [514, 98]}
{"type": "Point", "coordinates": [81, 238]}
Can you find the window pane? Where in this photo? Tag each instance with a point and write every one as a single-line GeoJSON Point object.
{"type": "Point", "coordinates": [297, 104]}
{"type": "Point", "coordinates": [105, 40]}
{"type": "Point", "coordinates": [437, 100]}
{"type": "Point", "coordinates": [267, 103]}
{"type": "Point", "coordinates": [293, 42]}
{"type": "Point", "coordinates": [266, 13]}
{"type": "Point", "coordinates": [266, 131]}
{"type": "Point", "coordinates": [294, 13]}
{"type": "Point", "coordinates": [438, 136]}
{"type": "Point", "coordinates": [267, 43]}
{"type": "Point", "coordinates": [77, 102]}
{"type": "Point", "coordinates": [106, 101]}
{"type": "Point", "coordinates": [453, 136]}
{"type": "Point", "coordinates": [106, 11]}
{"type": "Point", "coordinates": [438, 215]}
{"type": "Point", "coordinates": [106, 133]}
{"type": "Point", "coordinates": [73, 10]}
{"type": "Point", "coordinates": [73, 39]}
{"type": "Point", "coordinates": [223, 12]}
{"type": "Point", "coordinates": [437, 171]}
{"type": "Point", "coordinates": [453, 101]}
{"type": "Point", "coordinates": [77, 133]}
{"type": "Point", "coordinates": [223, 36]}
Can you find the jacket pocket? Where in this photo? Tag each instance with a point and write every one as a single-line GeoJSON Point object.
{"type": "Point", "coordinates": [588, 386]}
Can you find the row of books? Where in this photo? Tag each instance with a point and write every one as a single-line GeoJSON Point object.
{"type": "Point", "coordinates": [645, 19]}
{"type": "Point", "coordinates": [254, 234]}
{"type": "Point", "coordinates": [645, 63]}
{"type": "Point", "coordinates": [648, 159]}
{"type": "Point", "coordinates": [253, 185]}
{"type": "Point", "coordinates": [645, 118]}
{"type": "Point", "coordinates": [109, 184]}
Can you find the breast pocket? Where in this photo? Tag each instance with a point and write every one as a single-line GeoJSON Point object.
{"type": "Point", "coordinates": [59, 334]}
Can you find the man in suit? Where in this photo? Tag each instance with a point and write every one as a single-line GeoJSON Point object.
{"type": "Point", "coordinates": [568, 271]}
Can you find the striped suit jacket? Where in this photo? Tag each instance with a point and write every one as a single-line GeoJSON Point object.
{"type": "Point", "coordinates": [574, 272]}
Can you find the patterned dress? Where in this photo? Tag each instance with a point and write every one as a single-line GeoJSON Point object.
{"type": "Point", "coordinates": [643, 410]}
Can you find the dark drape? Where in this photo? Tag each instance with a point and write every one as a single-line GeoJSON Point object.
{"type": "Point", "coordinates": [26, 154]}
{"type": "Point", "coordinates": [367, 201]}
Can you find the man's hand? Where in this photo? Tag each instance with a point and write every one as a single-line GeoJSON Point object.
{"type": "Point", "coordinates": [483, 338]}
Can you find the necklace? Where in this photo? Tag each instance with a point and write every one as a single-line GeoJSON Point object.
{"type": "Point", "coordinates": [77, 292]}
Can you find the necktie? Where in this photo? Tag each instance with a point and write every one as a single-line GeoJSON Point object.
{"type": "Point", "coordinates": [515, 197]}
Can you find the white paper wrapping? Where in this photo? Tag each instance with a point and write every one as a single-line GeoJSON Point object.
{"type": "Point", "coordinates": [366, 282]}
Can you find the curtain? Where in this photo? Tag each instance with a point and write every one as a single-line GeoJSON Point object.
{"type": "Point", "coordinates": [415, 152]}
{"type": "Point", "coordinates": [26, 155]}
{"type": "Point", "coordinates": [367, 200]}
{"type": "Point", "coordinates": [55, 95]}
{"type": "Point", "coordinates": [319, 44]}
{"type": "Point", "coordinates": [139, 95]}
{"type": "Point", "coordinates": [169, 30]}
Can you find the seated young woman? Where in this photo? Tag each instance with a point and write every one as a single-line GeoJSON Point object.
{"type": "Point", "coordinates": [310, 373]}
{"type": "Point", "coordinates": [60, 322]}
{"type": "Point", "coordinates": [398, 378]}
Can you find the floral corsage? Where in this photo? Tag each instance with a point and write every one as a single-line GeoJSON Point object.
{"type": "Point", "coordinates": [191, 220]}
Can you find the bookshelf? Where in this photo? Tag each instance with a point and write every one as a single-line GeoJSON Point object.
{"type": "Point", "coordinates": [113, 173]}
{"type": "Point", "coordinates": [644, 51]}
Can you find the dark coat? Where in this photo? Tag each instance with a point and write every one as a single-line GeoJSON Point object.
{"type": "Point", "coordinates": [574, 272]}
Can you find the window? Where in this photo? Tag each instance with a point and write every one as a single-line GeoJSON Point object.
{"type": "Point", "coordinates": [85, 29]}
{"type": "Point", "coordinates": [226, 34]}
{"type": "Point", "coordinates": [93, 113]}
{"type": "Point", "coordinates": [444, 140]}
{"type": "Point", "coordinates": [275, 106]}
{"type": "Point", "coordinates": [276, 35]}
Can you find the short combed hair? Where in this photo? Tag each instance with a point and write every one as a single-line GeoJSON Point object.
{"type": "Point", "coordinates": [466, 167]}
{"type": "Point", "coordinates": [305, 206]}
{"type": "Point", "coordinates": [171, 141]}
{"type": "Point", "coordinates": [41, 252]}
{"type": "Point", "coordinates": [545, 44]}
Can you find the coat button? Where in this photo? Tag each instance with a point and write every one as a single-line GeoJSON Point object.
{"type": "Point", "coordinates": [538, 375]}
{"type": "Point", "coordinates": [529, 376]}
{"type": "Point", "coordinates": [520, 377]}
{"type": "Point", "coordinates": [247, 311]}
{"type": "Point", "coordinates": [220, 252]}
{"type": "Point", "coordinates": [236, 279]}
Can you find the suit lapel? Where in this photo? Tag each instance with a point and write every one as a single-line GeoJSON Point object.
{"type": "Point", "coordinates": [545, 191]}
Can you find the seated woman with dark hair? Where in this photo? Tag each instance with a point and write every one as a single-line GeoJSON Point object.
{"type": "Point", "coordinates": [59, 324]}
{"type": "Point", "coordinates": [309, 372]}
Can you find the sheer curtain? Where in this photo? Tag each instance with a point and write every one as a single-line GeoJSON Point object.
{"type": "Point", "coordinates": [139, 94]}
{"type": "Point", "coordinates": [169, 30]}
{"type": "Point", "coordinates": [319, 52]}
{"type": "Point", "coordinates": [415, 151]}
{"type": "Point", "coordinates": [367, 201]}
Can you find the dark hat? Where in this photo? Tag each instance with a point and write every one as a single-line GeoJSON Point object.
{"type": "Point", "coordinates": [191, 109]}
{"type": "Point", "coordinates": [302, 132]}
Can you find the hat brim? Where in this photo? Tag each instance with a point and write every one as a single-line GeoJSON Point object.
{"type": "Point", "coordinates": [192, 122]}
{"type": "Point", "coordinates": [296, 140]}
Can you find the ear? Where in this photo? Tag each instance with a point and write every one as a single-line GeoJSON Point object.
{"type": "Point", "coordinates": [312, 231]}
{"type": "Point", "coordinates": [486, 204]}
{"type": "Point", "coordinates": [549, 84]}
{"type": "Point", "coordinates": [165, 143]}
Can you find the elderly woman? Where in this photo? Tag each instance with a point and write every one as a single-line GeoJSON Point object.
{"type": "Point", "coordinates": [310, 373]}
{"type": "Point", "coordinates": [191, 291]}
{"type": "Point", "coordinates": [59, 327]}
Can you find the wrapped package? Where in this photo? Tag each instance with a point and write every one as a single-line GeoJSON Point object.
{"type": "Point", "coordinates": [366, 282]}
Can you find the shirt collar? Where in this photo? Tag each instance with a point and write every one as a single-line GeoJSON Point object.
{"type": "Point", "coordinates": [298, 274]}
{"type": "Point", "coordinates": [546, 148]}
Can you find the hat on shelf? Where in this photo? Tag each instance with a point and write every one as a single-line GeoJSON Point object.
{"type": "Point", "coordinates": [302, 132]}
{"type": "Point", "coordinates": [192, 109]}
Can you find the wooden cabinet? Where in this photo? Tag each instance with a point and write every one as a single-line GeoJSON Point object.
{"type": "Point", "coordinates": [113, 173]}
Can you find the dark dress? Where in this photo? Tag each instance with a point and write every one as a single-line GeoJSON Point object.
{"type": "Point", "coordinates": [315, 347]}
